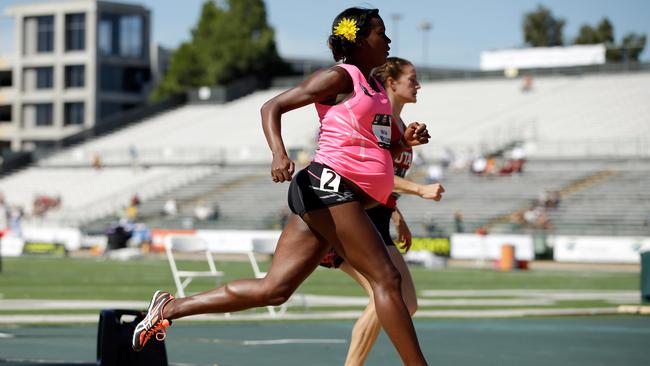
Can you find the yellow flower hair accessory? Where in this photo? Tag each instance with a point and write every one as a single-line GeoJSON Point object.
{"type": "Point", "coordinates": [347, 28]}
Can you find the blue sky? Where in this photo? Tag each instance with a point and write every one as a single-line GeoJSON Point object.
{"type": "Point", "coordinates": [461, 28]}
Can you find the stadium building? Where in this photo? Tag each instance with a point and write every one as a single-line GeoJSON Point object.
{"type": "Point", "coordinates": [76, 62]}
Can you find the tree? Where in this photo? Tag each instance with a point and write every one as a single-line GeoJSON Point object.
{"type": "Point", "coordinates": [231, 40]}
{"type": "Point", "coordinates": [628, 51]}
{"type": "Point", "coordinates": [603, 33]}
{"type": "Point", "coordinates": [542, 29]}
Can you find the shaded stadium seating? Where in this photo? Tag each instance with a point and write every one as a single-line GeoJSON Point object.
{"type": "Point", "coordinates": [218, 154]}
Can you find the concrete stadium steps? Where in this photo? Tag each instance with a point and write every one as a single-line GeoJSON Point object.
{"type": "Point", "coordinates": [595, 114]}
{"type": "Point", "coordinates": [197, 134]}
{"type": "Point", "coordinates": [480, 199]}
{"type": "Point", "coordinates": [562, 115]}
{"type": "Point", "coordinates": [245, 196]}
{"type": "Point", "coordinates": [88, 194]}
{"type": "Point", "coordinates": [619, 204]}
{"type": "Point", "coordinates": [615, 202]}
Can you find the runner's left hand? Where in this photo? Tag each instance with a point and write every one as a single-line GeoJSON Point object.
{"type": "Point", "coordinates": [416, 134]}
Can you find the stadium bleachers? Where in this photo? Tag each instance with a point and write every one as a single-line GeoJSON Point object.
{"type": "Point", "coordinates": [618, 205]}
{"type": "Point", "coordinates": [88, 193]}
{"type": "Point", "coordinates": [189, 153]}
{"type": "Point", "coordinates": [561, 116]}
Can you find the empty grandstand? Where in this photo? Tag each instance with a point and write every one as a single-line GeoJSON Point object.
{"type": "Point", "coordinates": [570, 127]}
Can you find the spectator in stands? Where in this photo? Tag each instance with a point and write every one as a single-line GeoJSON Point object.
{"type": "Point", "coordinates": [203, 211]}
{"type": "Point", "coordinates": [133, 155]}
{"type": "Point", "coordinates": [448, 158]}
{"type": "Point", "coordinates": [170, 208]}
{"type": "Point", "coordinates": [97, 161]}
{"type": "Point", "coordinates": [135, 200]}
{"type": "Point", "coordinates": [432, 228]}
{"type": "Point", "coordinates": [132, 210]}
{"type": "Point", "coordinates": [329, 196]}
{"type": "Point", "coordinates": [459, 222]}
{"type": "Point", "coordinates": [527, 83]}
{"type": "Point", "coordinates": [118, 234]}
{"type": "Point", "coordinates": [479, 165]}
{"type": "Point", "coordinates": [532, 214]}
{"type": "Point", "coordinates": [43, 203]}
{"type": "Point", "coordinates": [16, 214]}
{"type": "Point", "coordinates": [518, 156]}
{"type": "Point", "coordinates": [435, 174]}
{"type": "Point", "coordinates": [552, 199]}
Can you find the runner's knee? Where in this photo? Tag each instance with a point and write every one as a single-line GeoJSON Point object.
{"type": "Point", "coordinates": [277, 294]}
{"type": "Point", "coordinates": [391, 281]}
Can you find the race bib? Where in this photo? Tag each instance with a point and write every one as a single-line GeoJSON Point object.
{"type": "Point", "coordinates": [382, 130]}
{"type": "Point", "coordinates": [329, 180]}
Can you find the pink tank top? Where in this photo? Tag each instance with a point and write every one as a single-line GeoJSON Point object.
{"type": "Point", "coordinates": [355, 137]}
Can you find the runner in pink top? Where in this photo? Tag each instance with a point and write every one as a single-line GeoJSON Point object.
{"type": "Point", "coordinates": [328, 197]}
{"type": "Point", "coordinates": [355, 137]}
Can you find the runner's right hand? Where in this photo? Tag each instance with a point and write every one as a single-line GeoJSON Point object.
{"type": "Point", "coordinates": [282, 168]}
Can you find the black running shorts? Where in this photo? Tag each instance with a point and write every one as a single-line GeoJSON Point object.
{"type": "Point", "coordinates": [318, 186]}
{"type": "Point", "coordinates": [380, 217]}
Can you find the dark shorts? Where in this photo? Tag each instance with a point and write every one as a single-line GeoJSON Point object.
{"type": "Point", "coordinates": [380, 217]}
{"type": "Point", "coordinates": [317, 186]}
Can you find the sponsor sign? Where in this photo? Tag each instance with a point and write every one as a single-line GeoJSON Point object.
{"type": "Point", "coordinates": [599, 249]}
{"type": "Point", "coordinates": [44, 248]}
{"type": "Point", "coordinates": [11, 246]}
{"type": "Point", "coordinates": [488, 247]}
{"type": "Point", "coordinates": [69, 237]}
{"type": "Point", "coordinates": [438, 246]}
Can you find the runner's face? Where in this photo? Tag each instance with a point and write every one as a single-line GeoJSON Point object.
{"type": "Point", "coordinates": [376, 44]}
{"type": "Point", "coordinates": [405, 88]}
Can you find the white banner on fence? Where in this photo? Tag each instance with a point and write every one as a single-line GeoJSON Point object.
{"type": "Point", "coordinates": [11, 246]}
{"type": "Point", "coordinates": [69, 237]}
{"type": "Point", "coordinates": [600, 249]}
{"type": "Point", "coordinates": [473, 246]}
{"type": "Point", "coordinates": [237, 241]}
{"type": "Point", "coordinates": [543, 57]}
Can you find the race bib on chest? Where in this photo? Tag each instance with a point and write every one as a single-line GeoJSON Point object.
{"type": "Point", "coordinates": [381, 127]}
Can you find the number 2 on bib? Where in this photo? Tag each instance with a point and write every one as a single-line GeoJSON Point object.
{"type": "Point", "coordinates": [329, 180]}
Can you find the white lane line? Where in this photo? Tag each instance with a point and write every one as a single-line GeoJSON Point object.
{"type": "Point", "coordinates": [293, 341]}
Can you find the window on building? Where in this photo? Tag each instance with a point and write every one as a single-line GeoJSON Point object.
{"type": "Point", "coordinates": [43, 114]}
{"type": "Point", "coordinates": [75, 32]}
{"type": "Point", "coordinates": [105, 37]}
{"type": "Point", "coordinates": [73, 113]}
{"type": "Point", "coordinates": [45, 34]}
{"type": "Point", "coordinates": [75, 76]}
{"type": "Point", "coordinates": [121, 35]}
{"type": "Point", "coordinates": [5, 78]}
{"type": "Point", "coordinates": [131, 36]}
{"type": "Point", "coordinates": [44, 77]}
{"type": "Point", "coordinates": [5, 113]}
{"type": "Point", "coordinates": [123, 79]}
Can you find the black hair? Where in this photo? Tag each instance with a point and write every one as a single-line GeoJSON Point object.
{"type": "Point", "coordinates": [342, 47]}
